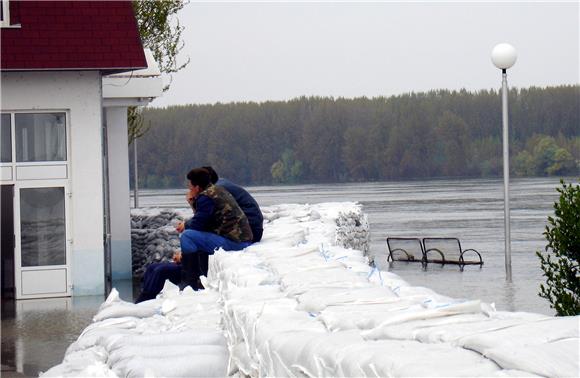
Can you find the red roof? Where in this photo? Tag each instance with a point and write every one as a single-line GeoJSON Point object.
{"type": "Point", "coordinates": [71, 35]}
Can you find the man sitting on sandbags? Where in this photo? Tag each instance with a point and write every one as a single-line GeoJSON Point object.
{"type": "Point", "coordinates": [218, 222]}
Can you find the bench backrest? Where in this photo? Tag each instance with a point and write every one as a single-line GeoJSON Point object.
{"type": "Point", "coordinates": [448, 249]}
{"type": "Point", "coordinates": [405, 249]}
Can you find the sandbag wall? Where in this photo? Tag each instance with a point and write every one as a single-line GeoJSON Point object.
{"type": "Point", "coordinates": [154, 239]}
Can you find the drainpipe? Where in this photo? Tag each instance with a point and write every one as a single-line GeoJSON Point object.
{"type": "Point", "coordinates": [106, 207]}
{"type": "Point", "coordinates": [135, 175]}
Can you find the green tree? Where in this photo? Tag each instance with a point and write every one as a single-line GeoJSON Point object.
{"type": "Point", "coordinates": [160, 32]}
{"type": "Point", "coordinates": [524, 164]}
{"type": "Point", "coordinates": [422, 135]}
{"type": "Point", "coordinates": [562, 163]}
{"type": "Point", "coordinates": [451, 136]}
{"type": "Point", "coordinates": [543, 154]}
{"type": "Point", "coordinates": [561, 260]}
{"type": "Point", "coordinates": [287, 170]}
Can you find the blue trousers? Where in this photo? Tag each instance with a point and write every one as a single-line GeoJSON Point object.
{"type": "Point", "coordinates": [193, 241]}
{"type": "Point", "coordinates": [155, 277]}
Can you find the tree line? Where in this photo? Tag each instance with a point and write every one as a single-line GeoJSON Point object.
{"type": "Point", "coordinates": [434, 134]}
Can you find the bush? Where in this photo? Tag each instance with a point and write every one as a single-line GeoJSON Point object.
{"type": "Point", "coordinates": [561, 260]}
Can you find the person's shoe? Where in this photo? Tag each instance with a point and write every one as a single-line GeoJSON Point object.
{"type": "Point", "coordinates": [189, 271]}
{"type": "Point", "coordinates": [199, 285]}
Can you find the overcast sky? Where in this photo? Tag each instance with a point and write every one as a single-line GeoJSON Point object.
{"type": "Point", "coordinates": [278, 51]}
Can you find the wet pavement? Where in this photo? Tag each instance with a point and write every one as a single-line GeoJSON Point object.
{"type": "Point", "coordinates": [36, 332]}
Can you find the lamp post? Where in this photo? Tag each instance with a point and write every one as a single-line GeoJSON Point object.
{"type": "Point", "coordinates": [503, 57]}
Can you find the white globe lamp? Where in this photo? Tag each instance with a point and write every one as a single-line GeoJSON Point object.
{"type": "Point", "coordinates": [504, 56]}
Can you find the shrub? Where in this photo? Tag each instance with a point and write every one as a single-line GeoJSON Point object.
{"type": "Point", "coordinates": [561, 259]}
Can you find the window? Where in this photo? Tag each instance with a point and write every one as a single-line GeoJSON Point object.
{"type": "Point", "coordinates": [5, 139]}
{"type": "Point", "coordinates": [42, 226]}
{"type": "Point", "coordinates": [5, 13]}
{"type": "Point", "coordinates": [40, 137]}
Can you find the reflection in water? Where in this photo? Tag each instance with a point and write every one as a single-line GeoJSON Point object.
{"type": "Point", "coordinates": [36, 332]}
{"type": "Point", "coordinates": [509, 296]}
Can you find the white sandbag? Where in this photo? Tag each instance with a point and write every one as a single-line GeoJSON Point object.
{"type": "Point", "coordinates": [175, 338]}
{"type": "Point", "coordinates": [279, 353]}
{"type": "Point", "coordinates": [420, 312]}
{"type": "Point", "coordinates": [81, 369]}
{"type": "Point", "coordinates": [124, 309]}
{"type": "Point", "coordinates": [119, 323]}
{"type": "Point", "coordinates": [388, 358]}
{"type": "Point", "coordinates": [364, 316]}
{"type": "Point", "coordinates": [528, 333]}
{"type": "Point", "coordinates": [317, 300]}
{"type": "Point", "coordinates": [112, 298]}
{"type": "Point", "coordinates": [319, 356]}
{"type": "Point", "coordinates": [559, 358]}
{"type": "Point", "coordinates": [192, 366]}
{"type": "Point", "coordinates": [457, 328]}
{"type": "Point", "coordinates": [89, 362]}
{"type": "Point", "coordinates": [241, 362]}
{"type": "Point", "coordinates": [90, 339]}
{"type": "Point", "coordinates": [159, 351]}
{"type": "Point", "coordinates": [435, 330]}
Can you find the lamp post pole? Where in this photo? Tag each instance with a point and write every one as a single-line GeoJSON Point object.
{"type": "Point", "coordinates": [506, 178]}
{"type": "Point", "coordinates": [503, 57]}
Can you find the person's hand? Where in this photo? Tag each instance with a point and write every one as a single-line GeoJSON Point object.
{"type": "Point", "coordinates": [180, 227]}
{"type": "Point", "coordinates": [189, 197]}
{"type": "Point", "coordinates": [177, 257]}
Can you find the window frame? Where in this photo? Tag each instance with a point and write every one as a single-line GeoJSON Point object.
{"type": "Point", "coordinates": [39, 162]}
{"type": "Point", "coordinates": [5, 20]}
{"type": "Point", "coordinates": [12, 156]}
{"type": "Point", "coordinates": [14, 165]}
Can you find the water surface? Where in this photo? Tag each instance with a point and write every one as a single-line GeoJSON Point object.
{"type": "Point", "coordinates": [471, 210]}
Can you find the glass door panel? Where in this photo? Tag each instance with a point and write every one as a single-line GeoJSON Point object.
{"type": "Point", "coordinates": [42, 226]}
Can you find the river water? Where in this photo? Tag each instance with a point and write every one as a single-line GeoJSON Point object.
{"type": "Point", "coordinates": [471, 210]}
{"type": "Point", "coordinates": [35, 333]}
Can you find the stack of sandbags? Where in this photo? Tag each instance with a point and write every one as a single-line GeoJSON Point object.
{"type": "Point", "coordinates": [153, 237]}
{"type": "Point", "coordinates": [178, 335]}
{"type": "Point", "coordinates": [353, 231]}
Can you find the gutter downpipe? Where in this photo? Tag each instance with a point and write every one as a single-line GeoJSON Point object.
{"type": "Point", "coordinates": [135, 175]}
{"type": "Point", "coordinates": [106, 205]}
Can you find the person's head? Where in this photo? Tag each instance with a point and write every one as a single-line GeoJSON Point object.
{"type": "Point", "coordinates": [198, 180]}
{"type": "Point", "coordinates": [212, 174]}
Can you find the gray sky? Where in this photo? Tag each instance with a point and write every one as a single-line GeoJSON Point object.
{"type": "Point", "coordinates": [277, 51]}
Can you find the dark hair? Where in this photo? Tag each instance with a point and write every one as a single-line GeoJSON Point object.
{"type": "Point", "coordinates": [212, 174]}
{"type": "Point", "coordinates": [200, 177]}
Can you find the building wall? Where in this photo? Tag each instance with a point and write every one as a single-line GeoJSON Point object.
{"type": "Point", "coordinates": [117, 142]}
{"type": "Point", "coordinates": [79, 93]}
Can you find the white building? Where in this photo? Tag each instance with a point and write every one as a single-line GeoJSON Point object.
{"type": "Point", "coordinates": [64, 143]}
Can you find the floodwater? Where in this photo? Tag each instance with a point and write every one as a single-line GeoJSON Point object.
{"type": "Point", "coordinates": [470, 209]}
{"type": "Point", "coordinates": [36, 333]}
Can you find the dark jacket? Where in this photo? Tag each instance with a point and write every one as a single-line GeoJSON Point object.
{"type": "Point", "coordinates": [218, 212]}
{"type": "Point", "coordinates": [248, 205]}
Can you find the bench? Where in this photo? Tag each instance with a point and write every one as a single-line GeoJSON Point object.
{"type": "Point", "coordinates": [449, 251]}
{"type": "Point", "coordinates": [432, 250]}
{"type": "Point", "coordinates": [405, 249]}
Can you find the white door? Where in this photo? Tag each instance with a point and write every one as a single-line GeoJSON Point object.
{"type": "Point", "coordinates": [42, 233]}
